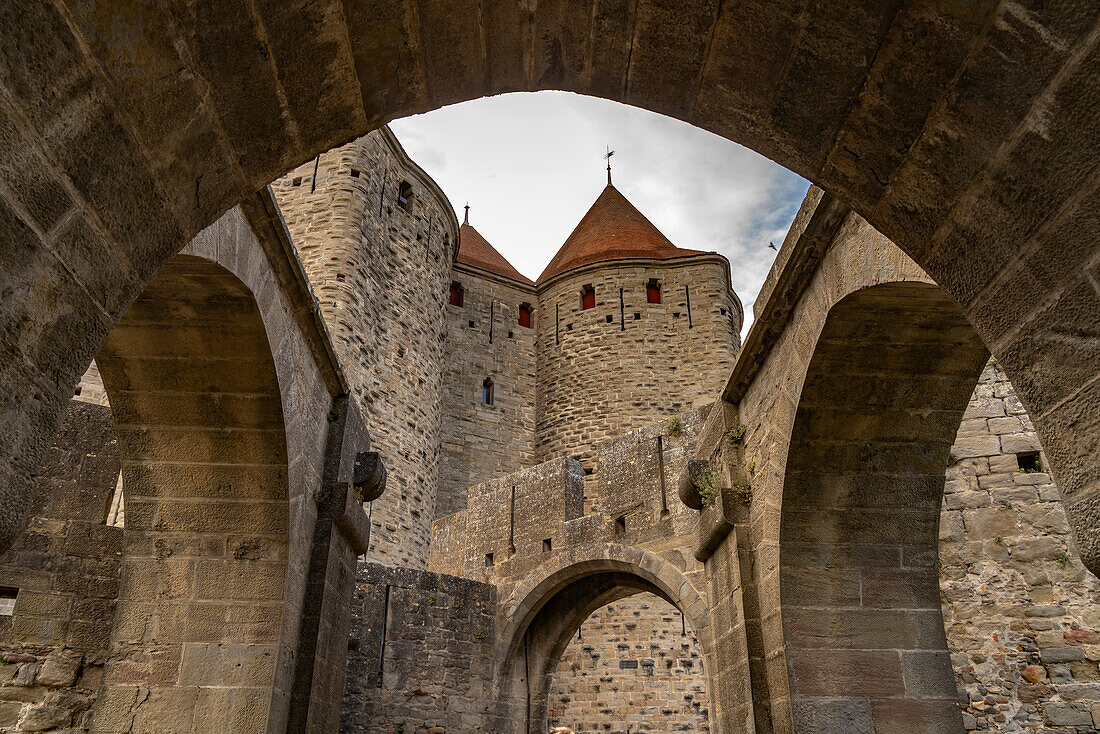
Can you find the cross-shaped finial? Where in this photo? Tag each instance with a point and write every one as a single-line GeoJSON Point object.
{"type": "Point", "coordinates": [467, 219]}
{"type": "Point", "coordinates": [607, 157]}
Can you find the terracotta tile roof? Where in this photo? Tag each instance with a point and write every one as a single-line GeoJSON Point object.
{"type": "Point", "coordinates": [613, 229]}
{"type": "Point", "coordinates": [473, 249]}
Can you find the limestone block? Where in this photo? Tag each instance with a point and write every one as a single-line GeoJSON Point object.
{"type": "Point", "coordinates": [970, 447]}
{"type": "Point", "coordinates": [989, 522]}
{"type": "Point", "coordinates": [60, 668]}
{"type": "Point", "coordinates": [1020, 442]}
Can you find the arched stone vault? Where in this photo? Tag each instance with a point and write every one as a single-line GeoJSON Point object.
{"type": "Point", "coordinates": [963, 131]}
{"type": "Point", "coordinates": [198, 410]}
{"type": "Point", "coordinates": [891, 374]}
{"type": "Point", "coordinates": [234, 434]}
{"type": "Point", "coordinates": [544, 610]}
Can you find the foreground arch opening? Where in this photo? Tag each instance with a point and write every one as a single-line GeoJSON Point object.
{"type": "Point", "coordinates": [634, 665]}
{"type": "Point", "coordinates": [886, 388]}
{"type": "Point", "coordinates": [546, 623]}
{"type": "Point", "coordinates": [196, 402]}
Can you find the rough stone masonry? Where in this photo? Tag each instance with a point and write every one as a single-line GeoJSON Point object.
{"type": "Point", "coordinates": [588, 533]}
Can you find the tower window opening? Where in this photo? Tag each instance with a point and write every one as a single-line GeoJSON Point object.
{"type": "Point", "coordinates": [487, 391]}
{"type": "Point", "coordinates": [510, 335]}
{"type": "Point", "coordinates": [547, 545]}
{"type": "Point", "coordinates": [456, 294]}
{"type": "Point", "coordinates": [588, 298]}
{"type": "Point", "coordinates": [637, 316]}
{"type": "Point", "coordinates": [525, 315]}
{"type": "Point", "coordinates": [354, 173]}
{"type": "Point", "coordinates": [339, 277]}
{"type": "Point", "coordinates": [620, 525]}
{"type": "Point", "coordinates": [297, 181]}
{"type": "Point", "coordinates": [610, 318]}
{"type": "Point", "coordinates": [489, 562]}
{"type": "Point", "coordinates": [723, 311]}
{"type": "Point", "coordinates": [405, 195]}
{"type": "Point", "coordinates": [653, 291]}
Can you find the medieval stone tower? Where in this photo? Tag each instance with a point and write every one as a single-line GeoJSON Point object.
{"type": "Point", "coordinates": [377, 238]}
{"type": "Point", "coordinates": [466, 369]}
{"type": "Point", "coordinates": [633, 329]}
{"type": "Point", "coordinates": [622, 328]}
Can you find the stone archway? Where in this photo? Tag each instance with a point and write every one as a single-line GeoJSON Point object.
{"type": "Point", "coordinates": [632, 664]}
{"type": "Point", "coordinates": [545, 611]}
{"type": "Point", "coordinates": [890, 377]}
{"type": "Point", "coordinates": [198, 409]}
{"type": "Point", "coordinates": [961, 131]}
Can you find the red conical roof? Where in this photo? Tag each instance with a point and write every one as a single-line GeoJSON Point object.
{"type": "Point", "coordinates": [613, 229]}
{"type": "Point", "coordinates": [473, 249]}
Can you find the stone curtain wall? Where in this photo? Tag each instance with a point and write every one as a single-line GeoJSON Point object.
{"type": "Point", "coordinates": [1021, 612]}
{"type": "Point", "coordinates": [483, 442]}
{"type": "Point", "coordinates": [550, 532]}
{"type": "Point", "coordinates": [633, 668]}
{"type": "Point", "coordinates": [381, 273]}
{"type": "Point", "coordinates": [65, 568]}
{"type": "Point", "coordinates": [431, 669]}
{"type": "Point", "coordinates": [597, 380]}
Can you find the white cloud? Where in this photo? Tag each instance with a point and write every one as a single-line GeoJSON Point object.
{"type": "Point", "coordinates": [531, 164]}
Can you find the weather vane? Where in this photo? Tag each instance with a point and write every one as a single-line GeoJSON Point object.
{"type": "Point", "coordinates": [467, 220]}
{"type": "Point", "coordinates": [607, 157]}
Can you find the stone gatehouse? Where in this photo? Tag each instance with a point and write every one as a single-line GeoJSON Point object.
{"type": "Point", "coordinates": [598, 503]}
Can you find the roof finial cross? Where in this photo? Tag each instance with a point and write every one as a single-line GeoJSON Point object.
{"type": "Point", "coordinates": [607, 157]}
{"type": "Point", "coordinates": [467, 219]}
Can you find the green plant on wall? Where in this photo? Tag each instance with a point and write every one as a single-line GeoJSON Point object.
{"type": "Point", "coordinates": [743, 492]}
{"type": "Point", "coordinates": [1062, 558]}
{"type": "Point", "coordinates": [674, 426]}
{"type": "Point", "coordinates": [735, 435]}
{"type": "Point", "coordinates": [706, 484]}
{"type": "Point", "coordinates": [479, 635]}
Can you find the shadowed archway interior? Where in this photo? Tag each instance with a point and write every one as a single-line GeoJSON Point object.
{"type": "Point", "coordinates": [886, 389]}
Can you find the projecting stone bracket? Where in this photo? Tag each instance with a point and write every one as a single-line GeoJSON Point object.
{"type": "Point", "coordinates": [688, 485]}
{"type": "Point", "coordinates": [368, 475]}
{"type": "Point", "coordinates": [717, 521]}
{"type": "Point", "coordinates": [719, 464]}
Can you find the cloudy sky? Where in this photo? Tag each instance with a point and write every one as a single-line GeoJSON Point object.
{"type": "Point", "coordinates": [531, 165]}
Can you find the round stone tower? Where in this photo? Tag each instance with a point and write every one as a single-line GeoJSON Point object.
{"type": "Point", "coordinates": [377, 238]}
{"type": "Point", "coordinates": [633, 328]}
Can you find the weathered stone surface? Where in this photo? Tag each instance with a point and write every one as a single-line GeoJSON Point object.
{"type": "Point", "coordinates": [380, 271]}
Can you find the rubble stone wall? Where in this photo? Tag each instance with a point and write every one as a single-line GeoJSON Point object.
{"type": "Point", "coordinates": [420, 654]}
{"type": "Point", "coordinates": [634, 666]}
{"type": "Point", "coordinates": [381, 270]}
{"type": "Point", "coordinates": [1021, 612]}
{"type": "Point", "coordinates": [64, 574]}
